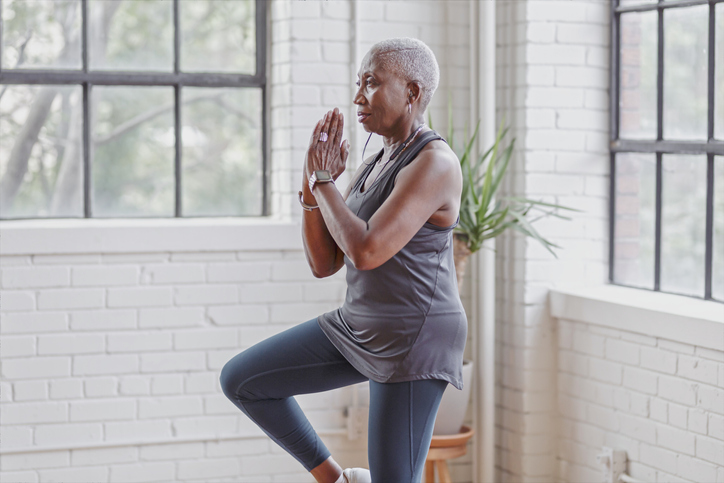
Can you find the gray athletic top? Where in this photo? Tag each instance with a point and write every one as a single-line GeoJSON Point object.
{"type": "Point", "coordinates": [403, 320]}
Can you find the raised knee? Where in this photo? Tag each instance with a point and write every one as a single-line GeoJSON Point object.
{"type": "Point", "coordinates": [226, 381]}
{"type": "Point", "coordinates": [233, 378]}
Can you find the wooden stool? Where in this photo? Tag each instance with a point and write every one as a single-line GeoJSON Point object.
{"type": "Point", "coordinates": [443, 448]}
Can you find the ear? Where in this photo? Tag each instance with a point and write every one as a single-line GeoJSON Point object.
{"type": "Point", "coordinates": [414, 92]}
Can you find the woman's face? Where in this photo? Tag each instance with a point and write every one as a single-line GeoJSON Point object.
{"type": "Point", "coordinates": [381, 97]}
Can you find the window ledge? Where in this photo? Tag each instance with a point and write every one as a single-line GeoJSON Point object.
{"type": "Point", "coordinates": [134, 235]}
{"type": "Point", "coordinates": [673, 317]}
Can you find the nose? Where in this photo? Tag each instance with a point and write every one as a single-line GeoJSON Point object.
{"type": "Point", "coordinates": [359, 99]}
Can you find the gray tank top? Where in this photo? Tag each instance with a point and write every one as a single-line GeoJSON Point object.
{"type": "Point", "coordinates": [403, 320]}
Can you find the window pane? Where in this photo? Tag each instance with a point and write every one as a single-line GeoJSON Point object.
{"type": "Point", "coordinates": [685, 72]}
{"type": "Point", "coordinates": [638, 75]}
{"type": "Point", "coordinates": [218, 36]}
{"type": "Point", "coordinates": [222, 151]}
{"type": "Point", "coordinates": [41, 163]}
{"type": "Point", "coordinates": [41, 34]}
{"type": "Point", "coordinates": [683, 224]}
{"type": "Point", "coordinates": [635, 219]}
{"type": "Point", "coordinates": [133, 151]}
{"type": "Point", "coordinates": [719, 79]}
{"type": "Point", "coordinates": [131, 35]}
{"type": "Point", "coordinates": [717, 285]}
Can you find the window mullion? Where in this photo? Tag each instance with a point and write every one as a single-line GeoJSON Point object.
{"type": "Point", "coordinates": [614, 132]}
{"type": "Point", "coordinates": [178, 209]}
{"type": "Point", "coordinates": [710, 72]}
{"type": "Point", "coordinates": [84, 34]}
{"type": "Point", "coordinates": [261, 58]}
{"type": "Point", "coordinates": [615, 70]}
{"type": "Point", "coordinates": [659, 137]}
{"type": "Point", "coordinates": [87, 208]}
{"type": "Point", "coordinates": [709, 251]}
{"type": "Point", "coordinates": [176, 38]}
{"type": "Point", "coordinates": [87, 185]}
{"type": "Point", "coordinates": [611, 215]}
{"type": "Point", "coordinates": [177, 159]}
{"type": "Point", "coordinates": [660, 78]}
{"type": "Point", "coordinates": [709, 241]}
{"type": "Point", "coordinates": [657, 229]}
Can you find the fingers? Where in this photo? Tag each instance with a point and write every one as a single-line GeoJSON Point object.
{"type": "Point", "coordinates": [328, 121]}
{"type": "Point", "coordinates": [345, 151]}
{"type": "Point", "coordinates": [317, 130]}
{"type": "Point", "coordinates": [334, 137]}
{"type": "Point", "coordinates": [339, 129]}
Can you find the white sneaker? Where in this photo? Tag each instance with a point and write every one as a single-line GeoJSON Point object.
{"type": "Point", "coordinates": [356, 475]}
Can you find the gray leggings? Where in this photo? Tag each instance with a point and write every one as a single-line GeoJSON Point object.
{"type": "Point", "coordinates": [262, 380]}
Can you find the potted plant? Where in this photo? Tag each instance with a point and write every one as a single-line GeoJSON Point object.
{"type": "Point", "coordinates": [482, 218]}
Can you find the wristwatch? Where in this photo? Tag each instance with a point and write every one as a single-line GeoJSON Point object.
{"type": "Point", "coordinates": [321, 176]}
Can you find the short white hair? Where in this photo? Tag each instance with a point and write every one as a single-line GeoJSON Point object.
{"type": "Point", "coordinates": [412, 60]}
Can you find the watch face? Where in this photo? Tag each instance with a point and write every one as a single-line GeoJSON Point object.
{"type": "Point", "coordinates": [323, 175]}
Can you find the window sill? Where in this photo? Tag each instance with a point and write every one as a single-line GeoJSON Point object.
{"type": "Point", "coordinates": [673, 317]}
{"type": "Point", "coordinates": [74, 236]}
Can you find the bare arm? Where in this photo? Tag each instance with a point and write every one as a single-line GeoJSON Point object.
{"type": "Point", "coordinates": [430, 184]}
{"type": "Point", "coordinates": [421, 189]}
{"type": "Point", "coordinates": [321, 250]}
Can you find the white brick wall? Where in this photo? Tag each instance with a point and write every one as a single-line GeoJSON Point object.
{"type": "Point", "coordinates": [552, 89]}
{"type": "Point", "coordinates": [137, 357]}
{"type": "Point", "coordinates": [314, 69]}
{"type": "Point", "coordinates": [661, 401]}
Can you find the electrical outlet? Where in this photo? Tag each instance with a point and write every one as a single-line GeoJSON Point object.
{"type": "Point", "coordinates": [357, 418]}
{"type": "Point", "coordinates": [614, 464]}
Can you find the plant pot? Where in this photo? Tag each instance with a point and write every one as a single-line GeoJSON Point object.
{"type": "Point", "coordinates": [454, 404]}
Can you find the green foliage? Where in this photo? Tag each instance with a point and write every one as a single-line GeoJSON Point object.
{"type": "Point", "coordinates": [482, 214]}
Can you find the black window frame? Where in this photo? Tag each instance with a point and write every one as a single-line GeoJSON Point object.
{"type": "Point", "coordinates": [176, 79]}
{"type": "Point", "coordinates": [711, 147]}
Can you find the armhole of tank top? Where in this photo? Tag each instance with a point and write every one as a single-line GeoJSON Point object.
{"type": "Point", "coordinates": [413, 154]}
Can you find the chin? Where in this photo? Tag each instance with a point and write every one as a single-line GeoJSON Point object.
{"type": "Point", "coordinates": [368, 128]}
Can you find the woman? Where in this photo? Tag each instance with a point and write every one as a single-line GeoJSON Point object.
{"type": "Point", "coordinates": [402, 326]}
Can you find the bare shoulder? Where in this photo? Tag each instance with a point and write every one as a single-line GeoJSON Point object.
{"type": "Point", "coordinates": [436, 158]}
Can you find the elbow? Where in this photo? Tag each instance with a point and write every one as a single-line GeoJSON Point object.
{"type": "Point", "coordinates": [320, 274]}
{"type": "Point", "coordinates": [325, 270]}
{"type": "Point", "coordinates": [363, 260]}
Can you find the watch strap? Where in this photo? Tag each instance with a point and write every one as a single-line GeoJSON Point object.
{"type": "Point", "coordinates": [313, 180]}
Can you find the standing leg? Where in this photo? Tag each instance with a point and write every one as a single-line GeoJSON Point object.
{"type": "Point", "coordinates": [261, 381]}
{"type": "Point", "coordinates": [402, 416]}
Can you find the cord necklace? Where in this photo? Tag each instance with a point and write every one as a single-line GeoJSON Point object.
{"type": "Point", "coordinates": [397, 152]}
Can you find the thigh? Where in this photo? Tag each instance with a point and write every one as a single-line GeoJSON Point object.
{"type": "Point", "coordinates": [299, 360]}
{"type": "Point", "coordinates": [402, 416]}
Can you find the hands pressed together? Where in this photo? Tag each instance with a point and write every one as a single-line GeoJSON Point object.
{"type": "Point", "coordinates": [327, 152]}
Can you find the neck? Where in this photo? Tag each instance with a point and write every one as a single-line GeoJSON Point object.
{"type": "Point", "coordinates": [406, 128]}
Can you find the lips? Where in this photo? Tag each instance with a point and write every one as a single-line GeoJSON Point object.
{"type": "Point", "coordinates": [361, 116]}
